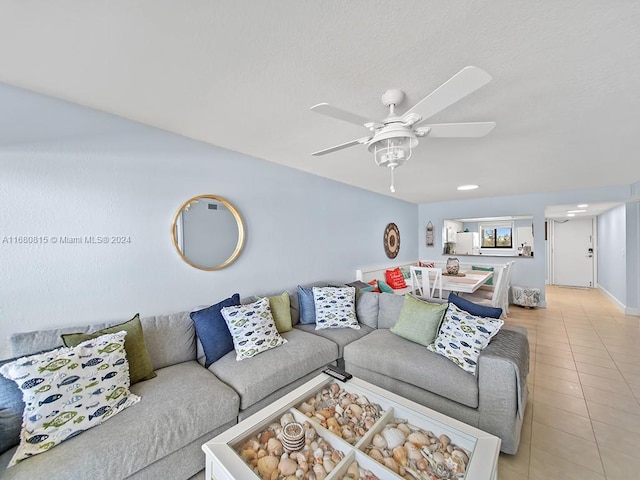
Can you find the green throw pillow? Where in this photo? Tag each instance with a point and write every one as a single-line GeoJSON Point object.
{"type": "Point", "coordinates": [280, 306]}
{"type": "Point", "coordinates": [140, 367]}
{"type": "Point", "coordinates": [419, 321]}
{"type": "Point", "coordinates": [484, 269]}
{"type": "Point", "coordinates": [384, 287]}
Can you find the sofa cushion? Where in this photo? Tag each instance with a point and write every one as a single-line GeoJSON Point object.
{"type": "Point", "coordinates": [183, 403]}
{"type": "Point", "coordinates": [257, 377]}
{"type": "Point", "coordinates": [340, 336]}
{"type": "Point", "coordinates": [384, 287]}
{"type": "Point", "coordinates": [212, 329]}
{"type": "Point", "coordinates": [11, 408]}
{"type": "Point", "coordinates": [390, 307]}
{"type": "Point", "coordinates": [140, 367]}
{"type": "Point", "coordinates": [252, 328]}
{"type": "Point", "coordinates": [474, 308]}
{"type": "Point", "coordinates": [335, 307]}
{"type": "Point", "coordinates": [367, 308]}
{"type": "Point", "coordinates": [419, 321]}
{"type": "Point", "coordinates": [463, 336]}
{"type": "Point", "coordinates": [409, 362]}
{"type": "Point", "coordinates": [66, 391]}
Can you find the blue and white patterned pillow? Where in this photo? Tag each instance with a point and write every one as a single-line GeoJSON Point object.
{"type": "Point", "coordinates": [69, 390]}
{"type": "Point", "coordinates": [335, 307]}
{"type": "Point", "coordinates": [463, 336]}
{"type": "Point", "coordinates": [252, 328]}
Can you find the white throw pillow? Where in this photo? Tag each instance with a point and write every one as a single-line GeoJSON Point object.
{"type": "Point", "coordinates": [463, 336]}
{"type": "Point", "coordinates": [69, 390]}
{"type": "Point", "coordinates": [252, 328]}
{"type": "Point", "coordinates": [335, 307]}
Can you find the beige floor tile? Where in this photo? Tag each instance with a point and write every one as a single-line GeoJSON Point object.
{"type": "Point", "coordinates": [592, 352]}
{"type": "Point", "coordinates": [558, 385]}
{"type": "Point", "coordinates": [519, 462]}
{"type": "Point", "coordinates": [591, 360]}
{"type": "Point", "coordinates": [505, 473]}
{"type": "Point", "coordinates": [556, 345]}
{"type": "Point", "coordinates": [562, 420]}
{"type": "Point", "coordinates": [556, 362]}
{"type": "Point", "coordinates": [613, 416]}
{"type": "Point", "coordinates": [610, 384]}
{"type": "Point", "coordinates": [560, 400]}
{"type": "Point", "coordinates": [633, 378]}
{"type": "Point", "coordinates": [617, 438]}
{"type": "Point", "coordinates": [571, 448]}
{"type": "Point", "coordinates": [594, 344]}
{"type": "Point", "coordinates": [628, 367]}
{"type": "Point", "coordinates": [553, 352]}
{"type": "Point", "coordinates": [619, 466]}
{"type": "Point", "coordinates": [546, 466]}
{"type": "Point", "coordinates": [627, 403]}
{"type": "Point", "coordinates": [557, 372]}
{"type": "Point", "coordinates": [599, 371]}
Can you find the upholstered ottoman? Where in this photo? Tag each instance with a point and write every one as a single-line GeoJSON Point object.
{"type": "Point", "coordinates": [525, 296]}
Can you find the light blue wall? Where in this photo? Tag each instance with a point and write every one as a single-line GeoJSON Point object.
{"type": "Point", "coordinates": [633, 255]}
{"type": "Point", "coordinates": [612, 260]}
{"type": "Point", "coordinates": [527, 271]}
{"type": "Point", "coordinates": [122, 178]}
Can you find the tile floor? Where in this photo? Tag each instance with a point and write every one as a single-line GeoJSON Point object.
{"type": "Point", "coordinates": [583, 415]}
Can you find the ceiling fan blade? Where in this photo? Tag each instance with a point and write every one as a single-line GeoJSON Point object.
{"type": "Point", "coordinates": [341, 146]}
{"type": "Point", "coordinates": [326, 109]}
{"type": "Point", "coordinates": [466, 81]}
{"type": "Point", "coordinates": [473, 129]}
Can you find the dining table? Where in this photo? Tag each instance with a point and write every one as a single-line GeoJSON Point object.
{"type": "Point", "coordinates": [465, 282]}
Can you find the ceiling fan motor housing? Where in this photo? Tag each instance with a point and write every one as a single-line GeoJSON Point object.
{"type": "Point", "coordinates": [392, 97]}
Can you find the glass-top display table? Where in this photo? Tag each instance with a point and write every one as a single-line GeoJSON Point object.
{"type": "Point", "coordinates": [351, 430]}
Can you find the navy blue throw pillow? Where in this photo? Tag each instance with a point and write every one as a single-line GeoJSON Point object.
{"type": "Point", "coordinates": [212, 330]}
{"type": "Point", "coordinates": [474, 308]}
{"type": "Point", "coordinates": [307, 305]}
{"type": "Point", "coordinates": [11, 408]}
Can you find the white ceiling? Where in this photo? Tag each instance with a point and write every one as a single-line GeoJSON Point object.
{"type": "Point", "coordinates": [242, 74]}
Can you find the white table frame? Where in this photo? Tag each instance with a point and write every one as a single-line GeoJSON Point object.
{"type": "Point", "coordinates": [480, 278]}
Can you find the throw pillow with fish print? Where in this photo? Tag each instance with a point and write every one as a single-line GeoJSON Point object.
{"type": "Point", "coordinates": [335, 307]}
{"type": "Point", "coordinates": [463, 336]}
{"type": "Point", "coordinates": [252, 328]}
{"type": "Point", "coordinates": [69, 390]}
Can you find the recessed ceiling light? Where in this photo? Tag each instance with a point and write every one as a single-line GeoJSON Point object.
{"type": "Point", "coordinates": [467, 187]}
{"type": "Point", "coordinates": [571, 214]}
{"type": "Point", "coordinates": [576, 211]}
{"type": "Point", "coordinates": [583, 205]}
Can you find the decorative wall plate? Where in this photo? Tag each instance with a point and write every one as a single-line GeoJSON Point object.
{"type": "Point", "coordinates": [391, 240]}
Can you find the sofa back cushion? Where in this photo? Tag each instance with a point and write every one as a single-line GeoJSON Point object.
{"type": "Point", "coordinates": [367, 308]}
{"type": "Point", "coordinates": [11, 408]}
{"type": "Point", "coordinates": [170, 339]}
{"type": "Point", "coordinates": [390, 307]}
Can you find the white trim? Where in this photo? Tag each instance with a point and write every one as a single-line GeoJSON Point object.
{"type": "Point", "coordinates": [619, 305]}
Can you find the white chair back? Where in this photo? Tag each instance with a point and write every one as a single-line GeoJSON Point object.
{"type": "Point", "coordinates": [425, 281]}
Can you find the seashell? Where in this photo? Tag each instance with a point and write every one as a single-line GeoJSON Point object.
{"type": "Point", "coordinates": [339, 409]}
{"type": "Point", "coordinates": [287, 467]}
{"type": "Point", "coordinates": [333, 422]}
{"type": "Point", "coordinates": [326, 412]}
{"type": "Point", "coordinates": [336, 456]}
{"type": "Point", "coordinates": [302, 463]}
{"type": "Point", "coordinates": [391, 464]}
{"type": "Point", "coordinates": [267, 465]}
{"type": "Point", "coordinates": [328, 464]}
{"type": "Point", "coordinates": [362, 400]}
{"type": "Point", "coordinates": [248, 454]}
{"type": "Point", "coordinates": [334, 388]}
{"type": "Point", "coordinates": [266, 435]}
{"type": "Point", "coordinates": [393, 436]}
{"type": "Point", "coordinates": [355, 409]}
{"type": "Point", "coordinates": [418, 438]}
{"type": "Point", "coordinates": [286, 418]}
{"type": "Point", "coordinates": [251, 444]}
{"type": "Point", "coordinates": [354, 470]}
{"type": "Point", "coordinates": [262, 453]}
{"type": "Point", "coordinates": [438, 457]}
{"type": "Point", "coordinates": [305, 408]}
{"type": "Point", "coordinates": [321, 417]}
{"type": "Point", "coordinates": [413, 452]}
{"type": "Point", "coordinates": [319, 471]}
{"type": "Point", "coordinates": [309, 433]}
{"type": "Point", "coordinates": [400, 455]}
{"type": "Point", "coordinates": [404, 428]}
{"type": "Point", "coordinates": [444, 440]}
{"type": "Point", "coordinates": [461, 455]}
{"type": "Point", "coordinates": [376, 455]}
{"type": "Point", "coordinates": [274, 447]}
{"type": "Point", "coordinates": [379, 441]}
{"type": "Point", "coordinates": [369, 422]}
{"type": "Point", "coordinates": [318, 453]}
{"type": "Point", "coordinates": [422, 464]}
{"type": "Point", "coordinates": [299, 473]}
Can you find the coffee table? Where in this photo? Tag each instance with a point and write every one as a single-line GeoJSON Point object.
{"type": "Point", "coordinates": [223, 462]}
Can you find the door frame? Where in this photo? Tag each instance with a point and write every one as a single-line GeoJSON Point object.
{"type": "Point", "coordinates": [550, 249]}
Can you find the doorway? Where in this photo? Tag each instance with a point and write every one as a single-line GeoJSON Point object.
{"type": "Point", "coordinates": [572, 245]}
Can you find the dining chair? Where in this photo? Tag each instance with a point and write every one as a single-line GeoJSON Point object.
{"type": "Point", "coordinates": [495, 298]}
{"type": "Point", "coordinates": [425, 281]}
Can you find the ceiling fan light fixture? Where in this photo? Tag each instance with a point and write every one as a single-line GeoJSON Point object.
{"type": "Point", "coordinates": [393, 145]}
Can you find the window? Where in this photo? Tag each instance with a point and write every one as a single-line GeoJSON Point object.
{"type": "Point", "coordinates": [496, 236]}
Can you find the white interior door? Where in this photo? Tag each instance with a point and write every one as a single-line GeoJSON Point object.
{"type": "Point", "coordinates": [572, 252]}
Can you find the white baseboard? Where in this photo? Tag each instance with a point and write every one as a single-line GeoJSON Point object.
{"type": "Point", "coordinates": [621, 306]}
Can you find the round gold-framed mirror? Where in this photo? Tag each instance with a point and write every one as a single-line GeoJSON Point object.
{"type": "Point", "coordinates": [208, 232]}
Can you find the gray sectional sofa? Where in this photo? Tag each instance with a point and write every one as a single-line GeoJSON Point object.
{"type": "Point", "coordinates": [187, 404]}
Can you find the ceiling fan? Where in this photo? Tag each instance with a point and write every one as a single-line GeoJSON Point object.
{"type": "Point", "coordinates": [393, 139]}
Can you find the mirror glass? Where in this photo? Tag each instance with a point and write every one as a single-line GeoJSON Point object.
{"type": "Point", "coordinates": [208, 232]}
{"type": "Point", "coordinates": [509, 236]}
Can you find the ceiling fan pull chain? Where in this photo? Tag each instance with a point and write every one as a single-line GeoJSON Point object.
{"type": "Point", "coordinates": [392, 187]}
